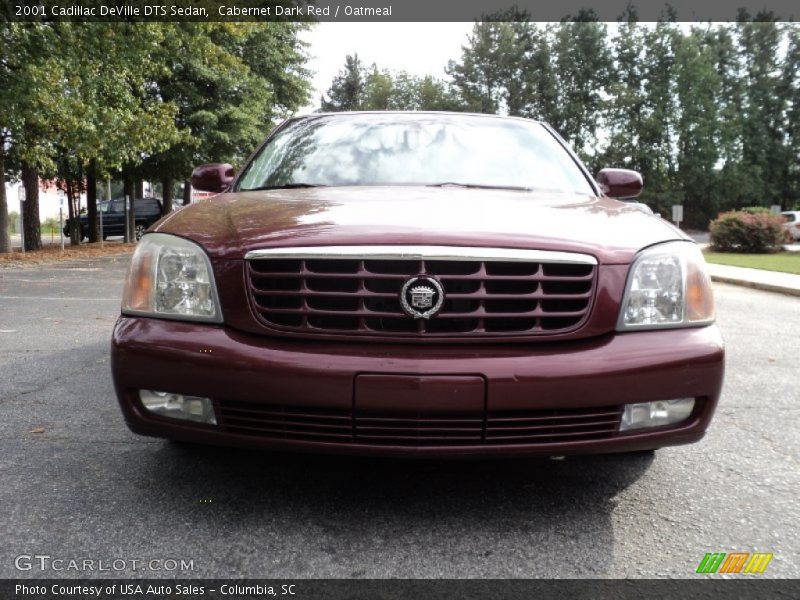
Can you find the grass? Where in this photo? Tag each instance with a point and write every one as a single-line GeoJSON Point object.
{"type": "Point", "coordinates": [785, 262]}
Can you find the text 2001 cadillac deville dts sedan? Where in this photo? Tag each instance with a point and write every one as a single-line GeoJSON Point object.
{"type": "Point", "coordinates": [418, 284]}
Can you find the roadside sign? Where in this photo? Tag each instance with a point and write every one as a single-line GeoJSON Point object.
{"type": "Point", "coordinates": [677, 214]}
{"type": "Point", "coordinates": [775, 209]}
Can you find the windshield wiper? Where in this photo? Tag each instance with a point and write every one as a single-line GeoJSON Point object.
{"type": "Point", "coordinates": [285, 186]}
{"type": "Point", "coordinates": [479, 186]}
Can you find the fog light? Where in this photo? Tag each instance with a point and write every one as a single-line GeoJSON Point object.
{"type": "Point", "coordinates": [656, 414]}
{"type": "Point", "coordinates": [178, 406]}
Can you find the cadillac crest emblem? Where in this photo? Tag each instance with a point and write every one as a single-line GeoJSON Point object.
{"type": "Point", "coordinates": [421, 297]}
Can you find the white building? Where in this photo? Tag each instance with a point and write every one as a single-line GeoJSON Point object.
{"type": "Point", "coordinates": [49, 202]}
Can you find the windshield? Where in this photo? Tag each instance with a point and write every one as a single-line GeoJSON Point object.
{"type": "Point", "coordinates": [414, 149]}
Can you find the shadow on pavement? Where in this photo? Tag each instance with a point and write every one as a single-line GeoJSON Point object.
{"type": "Point", "coordinates": [512, 513]}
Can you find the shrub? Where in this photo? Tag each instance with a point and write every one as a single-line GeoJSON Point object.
{"type": "Point", "coordinates": [751, 232]}
{"type": "Point", "coordinates": [756, 210]}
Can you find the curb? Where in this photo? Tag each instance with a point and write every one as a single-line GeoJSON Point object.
{"type": "Point", "coordinates": [766, 287]}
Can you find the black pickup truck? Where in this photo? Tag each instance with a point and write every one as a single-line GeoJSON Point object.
{"type": "Point", "coordinates": [147, 212]}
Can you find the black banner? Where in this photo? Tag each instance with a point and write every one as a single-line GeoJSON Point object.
{"type": "Point", "coordinates": [388, 10]}
{"type": "Point", "coordinates": [390, 589]}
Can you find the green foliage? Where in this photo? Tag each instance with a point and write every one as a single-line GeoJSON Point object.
{"type": "Point", "coordinates": [580, 49]}
{"type": "Point", "coordinates": [709, 116]}
{"type": "Point", "coordinates": [359, 88]}
{"type": "Point", "coordinates": [230, 82]}
{"type": "Point", "coordinates": [493, 74]}
{"type": "Point", "coordinates": [348, 88]}
{"type": "Point", "coordinates": [747, 232]}
{"type": "Point", "coordinates": [153, 98]}
{"type": "Point", "coordinates": [50, 227]}
{"type": "Point", "coordinates": [756, 210]}
{"type": "Point", "coordinates": [82, 90]}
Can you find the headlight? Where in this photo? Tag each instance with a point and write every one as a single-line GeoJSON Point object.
{"type": "Point", "coordinates": [170, 277]}
{"type": "Point", "coordinates": [668, 286]}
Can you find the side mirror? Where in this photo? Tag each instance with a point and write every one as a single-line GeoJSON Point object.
{"type": "Point", "coordinates": [213, 177]}
{"type": "Point", "coordinates": [620, 183]}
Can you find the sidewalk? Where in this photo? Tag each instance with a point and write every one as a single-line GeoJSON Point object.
{"type": "Point", "coordinates": [771, 281]}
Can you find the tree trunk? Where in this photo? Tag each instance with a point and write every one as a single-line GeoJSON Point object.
{"type": "Point", "coordinates": [30, 208]}
{"type": "Point", "coordinates": [5, 239]}
{"type": "Point", "coordinates": [91, 202]}
{"type": "Point", "coordinates": [127, 192]}
{"type": "Point", "coordinates": [187, 192]}
{"type": "Point", "coordinates": [127, 186]}
{"type": "Point", "coordinates": [74, 215]}
{"type": "Point", "coordinates": [139, 191]}
{"type": "Point", "coordinates": [166, 196]}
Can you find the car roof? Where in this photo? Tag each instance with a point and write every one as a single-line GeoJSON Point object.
{"type": "Point", "coordinates": [413, 112]}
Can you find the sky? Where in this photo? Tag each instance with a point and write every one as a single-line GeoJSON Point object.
{"type": "Point", "coordinates": [419, 48]}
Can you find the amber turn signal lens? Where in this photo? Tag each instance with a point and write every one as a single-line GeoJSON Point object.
{"type": "Point", "coordinates": [699, 294]}
{"type": "Point", "coordinates": [139, 283]}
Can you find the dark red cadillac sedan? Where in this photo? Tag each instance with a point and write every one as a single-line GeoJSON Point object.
{"type": "Point", "coordinates": [418, 284]}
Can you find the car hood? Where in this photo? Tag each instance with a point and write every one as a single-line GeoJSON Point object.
{"type": "Point", "coordinates": [229, 225]}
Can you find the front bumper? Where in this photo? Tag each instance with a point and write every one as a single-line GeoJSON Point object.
{"type": "Point", "coordinates": [321, 378]}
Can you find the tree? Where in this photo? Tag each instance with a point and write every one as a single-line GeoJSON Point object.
{"type": "Point", "coordinates": [435, 94]}
{"type": "Point", "coordinates": [380, 89]}
{"type": "Point", "coordinates": [230, 81]}
{"type": "Point", "coordinates": [762, 134]}
{"type": "Point", "coordinates": [583, 64]}
{"type": "Point", "coordinates": [790, 91]}
{"type": "Point", "coordinates": [659, 110]}
{"type": "Point", "coordinates": [347, 89]}
{"type": "Point", "coordinates": [490, 75]}
{"type": "Point", "coordinates": [732, 182]}
{"type": "Point", "coordinates": [80, 97]}
{"type": "Point", "coordinates": [477, 75]}
{"type": "Point", "coordinates": [697, 85]}
{"type": "Point", "coordinates": [30, 99]}
{"type": "Point", "coordinates": [5, 241]}
{"type": "Point", "coordinates": [116, 116]}
{"type": "Point", "coordinates": [626, 108]}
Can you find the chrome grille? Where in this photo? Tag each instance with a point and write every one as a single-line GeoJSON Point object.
{"type": "Point", "coordinates": [357, 292]}
{"type": "Point", "coordinates": [535, 427]}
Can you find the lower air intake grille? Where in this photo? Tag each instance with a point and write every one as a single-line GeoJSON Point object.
{"type": "Point", "coordinates": [527, 428]}
{"type": "Point", "coordinates": [552, 426]}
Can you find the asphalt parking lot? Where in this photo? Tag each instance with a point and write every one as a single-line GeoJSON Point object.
{"type": "Point", "coordinates": [76, 484]}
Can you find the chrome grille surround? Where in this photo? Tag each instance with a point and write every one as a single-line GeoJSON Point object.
{"type": "Point", "coordinates": [354, 291]}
